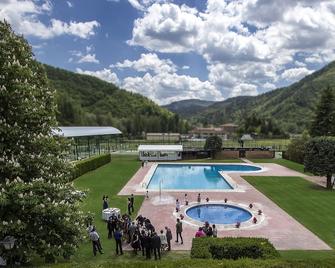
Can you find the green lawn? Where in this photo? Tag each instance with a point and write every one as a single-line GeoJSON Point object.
{"type": "Point", "coordinates": [108, 180]}
{"type": "Point", "coordinates": [283, 162]}
{"type": "Point", "coordinates": [308, 203]}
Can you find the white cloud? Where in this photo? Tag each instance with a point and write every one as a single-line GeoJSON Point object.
{"type": "Point", "coordinates": [246, 43]}
{"type": "Point", "coordinates": [295, 74]}
{"type": "Point", "coordinates": [143, 4]}
{"type": "Point", "coordinates": [185, 67]}
{"type": "Point", "coordinates": [23, 16]}
{"type": "Point", "coordinates": [104, 74]}
{"type": "Point", "coordinates": [69, 4]}
{"type": "Point", "coordinates": [148, 62]}
{"type": "Point", "coordinates": [168, 87]}
{"type": "Point", "coordinates": [88, 58]}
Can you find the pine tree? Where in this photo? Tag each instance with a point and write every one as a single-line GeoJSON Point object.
{"type": "Point", "coordinates": [324, 120]}
{"type": "Point", "coordinates": [37, 204]}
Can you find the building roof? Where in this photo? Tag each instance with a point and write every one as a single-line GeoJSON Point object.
{"type": "Point", "coordinates": [86, 131]}
{"type": "Point", "coordinates": [161, 134]}
{"type": "Point", "coordinates": [160, 148]}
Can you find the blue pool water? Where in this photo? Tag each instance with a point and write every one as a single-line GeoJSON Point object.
{"type": "Point", "coordinates": [219, 214]}
{"type": "Point", "coordinates": [194, 176]}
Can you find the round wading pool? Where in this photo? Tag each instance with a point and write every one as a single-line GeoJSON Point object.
{"type": "Point", "coordinates": [218, 213]}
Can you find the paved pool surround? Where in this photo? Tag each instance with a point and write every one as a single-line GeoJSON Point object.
{"type": "Point", "coordinates": [275, 224]}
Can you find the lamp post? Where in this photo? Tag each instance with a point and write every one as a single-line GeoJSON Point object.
{"type": "Point", "coordinates": [8, 244]}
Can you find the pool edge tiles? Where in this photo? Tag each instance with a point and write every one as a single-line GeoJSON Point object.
{"type": "Point", "coordinates": [232, 185]}
{"type": "Point", "coordinates": [261, 219]}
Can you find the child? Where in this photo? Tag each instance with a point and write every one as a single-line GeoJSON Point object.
{"type": "Point", "coordinates": [177, 205]}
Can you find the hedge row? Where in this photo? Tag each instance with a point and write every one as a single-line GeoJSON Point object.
{"type": "Point", "coordinates": [83, 166]}
{"type": "Point", "coordinates": [185, 263]}
{"type": "Point", "coordinates": [233, 248]}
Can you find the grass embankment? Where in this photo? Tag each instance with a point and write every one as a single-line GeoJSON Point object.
{"type": "Point", "coordinates": [283, 162]}
{"type": "Point", "coordinates": [310, 204]}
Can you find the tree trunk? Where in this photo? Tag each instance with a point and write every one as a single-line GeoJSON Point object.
{"type": "Point", "coordinates": [329, 181]}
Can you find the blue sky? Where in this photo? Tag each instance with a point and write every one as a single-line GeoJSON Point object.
{"type": "Point", "coordinates": [170, 50]}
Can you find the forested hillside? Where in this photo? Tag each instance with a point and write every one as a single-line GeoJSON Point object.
{"type": "Point", "coordinates": [89, 101]}
{"type": "Point", "coordinates": [187, 108]}
{"type": "Point", "coordinates": [291, 108]}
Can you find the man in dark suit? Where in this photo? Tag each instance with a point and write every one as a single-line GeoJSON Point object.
{"type": "Point", "coordinates": [156, 245]}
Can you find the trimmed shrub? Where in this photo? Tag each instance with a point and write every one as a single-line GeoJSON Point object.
{"type": "Point", "coordinates": [83, 166]}
{"type": "Point", "coordinates": [233, 248]}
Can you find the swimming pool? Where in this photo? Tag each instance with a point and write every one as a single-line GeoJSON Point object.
{"type": "Point", "coordinates": [218, 214]}
{"type": "Point", "coordinates": [195, 176]}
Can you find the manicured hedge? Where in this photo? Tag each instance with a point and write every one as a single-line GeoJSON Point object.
{"type": "Point", "coordinates": [233, 248]}
{"type": "Point", "coordinates": [83, 166]}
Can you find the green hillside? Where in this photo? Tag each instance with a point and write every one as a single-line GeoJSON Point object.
{"type": "Point", "coordinates": [86, 100]}
{"type": "Point", "coordinates": [189, 107]}
{"type": "Point", "coordinates": [291, 107]}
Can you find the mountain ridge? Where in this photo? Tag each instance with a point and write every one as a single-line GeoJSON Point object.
{"type": "Point", "coordinates": [292, 106]}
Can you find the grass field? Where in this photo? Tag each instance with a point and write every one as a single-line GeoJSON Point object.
{"type": "Point", "coordinates": [283, 162]}
{"type": "Point", "coordinates": [308, 203]}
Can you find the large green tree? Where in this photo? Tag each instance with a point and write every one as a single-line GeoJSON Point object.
{"type": "Point", "coordinates": [37, 204]}
{"type": "Point", "coordinates": [320, 158]}
{"type": "Point", "coordinates": [324, 121]}
{"type": "Point", "coordinates": [214, 144]}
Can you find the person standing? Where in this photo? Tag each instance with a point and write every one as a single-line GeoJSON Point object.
{"type": "Point", "coordinates": [142, 242]}
{"type": "Point", "coordinates": [132, 202]}
{"type": "Point", "coordinates": [105, 202]}
{"type": "Point", "coordinates": [168, 234]}
{"type": "Point", "coordinates": [156, 245]}
{"type": "Point", "coordinates": [199, 198]}
{"type": "Point", "coordinates": [95, 238]}
{"type": "Point", "coordinates": [129, 206]}
{"type": "Point", "coordinates": [147, 246]}
{"type": "Point", "coordinates": [118, 241]}
{"type": "Point", "coordinates": [215, 231]}
{"type": "Point", "coordinates": [179, 230]}
{"type": "Point", "coordinates": [177, 205]}
{"type": "Point", "coordinates": [186, 200]}
{"type": "Point", "coordinates": [110, 227]}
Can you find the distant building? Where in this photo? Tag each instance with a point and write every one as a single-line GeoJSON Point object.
{"type": "Point", "coordinates": [224, 131]}
{"type": "Point", "coordinates": [163, 137]}
{"type": "Point", "coordinates": [160, 152]}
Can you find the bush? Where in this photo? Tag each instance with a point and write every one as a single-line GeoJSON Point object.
{"type": "Point", "coordinates": [86, 165]}
{"type": "Point", "coordinates": [233, 248]}
{"type": "Point", "coordinates": [296, 149]}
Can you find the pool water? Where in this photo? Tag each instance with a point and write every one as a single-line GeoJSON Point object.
{"type": "Point", "coordinates": [218, 214]}
{"type": "Point", "coordinates": [194, 176]}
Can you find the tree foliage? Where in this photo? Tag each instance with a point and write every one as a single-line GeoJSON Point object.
{"type": "Point", "coordinates": [213, 143]}
{"type": "Point", "coordinates": [37, 204]}
{"type": "Point", "coordinates": [263, 127]}
{"type": "Point", "coordinates": [87, 100]}
{"type": "Point", "coordinates": [296, 149]}
{"type": "Point", "coordinates": [324, 120]}
{"type": "Point", "coordinates": [320, 157]}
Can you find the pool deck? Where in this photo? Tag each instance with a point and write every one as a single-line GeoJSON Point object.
{"type": "Point", "coordinates": [279, 227]}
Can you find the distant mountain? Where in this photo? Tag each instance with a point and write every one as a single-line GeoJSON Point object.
{"type": "Point", "coordinates": [291, 107]}
{"type": "Point", "coordinates": [87, 100]}
{"type": "Point", "coordinates": [187, 108]}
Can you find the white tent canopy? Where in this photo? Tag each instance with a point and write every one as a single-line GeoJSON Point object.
{"type": "Point", "coordinates": [86, 131]}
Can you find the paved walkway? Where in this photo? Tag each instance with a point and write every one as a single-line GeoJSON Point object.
{"type": "Point", "coordinates": [279, 227]}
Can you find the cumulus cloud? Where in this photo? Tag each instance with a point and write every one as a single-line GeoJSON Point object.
{"type": "Point", "coordinates": [69, 4]}
{"type": "Point", "coordinates": [23, 16]}
{"type": "Point", "coordinates": [104, 74]}
{"type": "Point", "coordinates": [89, 58]}
{"type": "Point", "coordinates": [148, 62]}
{"type": "Point", "coordinates": [168, 87]}
{"type": "Point", "coordinates": [295, 74]}
{"type": "Point", "coordinates": [143, 4]}
{"type": "Point", "coordinates": [246, 43]}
